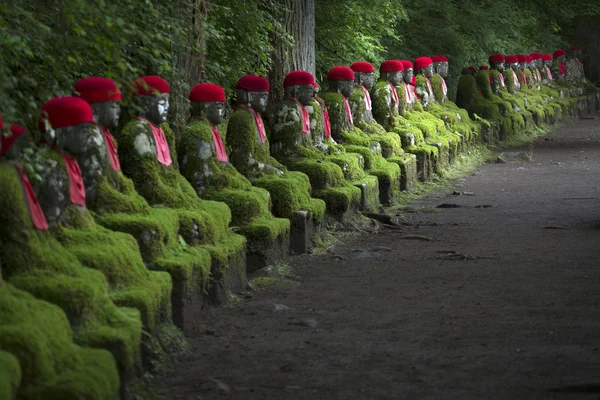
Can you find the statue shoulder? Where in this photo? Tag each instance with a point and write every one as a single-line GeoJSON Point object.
{"type": "Point", "coordinates": [197, 129]}
{"type": "Point", "coordinates": [420, 80]}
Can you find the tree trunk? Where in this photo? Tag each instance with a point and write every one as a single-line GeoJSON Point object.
{"type": "Point", "coordinates": [588, 35]}
{"type": "Point", "coordinates": [298, 20]}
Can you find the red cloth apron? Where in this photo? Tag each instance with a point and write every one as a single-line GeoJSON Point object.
{"type": "Point", "coordinates": [220, 152]}
{"type": "Point", "coordinates": [111, 148]}
{"type": "Point", "coordinates": [305, 117]}
{"type": "Point", "coordinates": [76, 186]}
{"type": "Point", "coordinates": [37, 215]}
{"type": "Point", "coordinates": [259, 123]}
{"type": "Point", "coordinates": [163, 155]}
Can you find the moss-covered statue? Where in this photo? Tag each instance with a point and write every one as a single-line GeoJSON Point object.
{"type": "Point", "coordinates": [392, 99]}
{"type": "Point", "coordinates": [299, 142]}
{"type": "Point", "coordinates": [117, 206]}
{"type": "Point", "coordinates": [456, 117]}
{"type": "Point", "coordinates": [148, 156]}
{"type": "Point", "coordinates": [440, 126]}
{"type": "Point", "coordinates": [499, 88]}
{"type": "Point", "coordinates": [354, 140]}
{"type": "Point", "coordinates": [550, 88]}
{"type": "Point", "coordinates": [250, 154]}
{"type": "Point", "coordinates": [204, 163]}
{"type": "Point", "coordinates": [576, 74]}
{"type": "Point", "coordinates": [362, 114]}
{"type": "Point", "coordinates": [35, 262]}
{"type": "Point", "coordinates": [523, 100]}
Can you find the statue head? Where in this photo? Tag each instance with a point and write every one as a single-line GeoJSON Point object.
{"type": "Point", "coordinates": [208, 101]}
{"type": "Point", "coordinates": [11, 140]}
{"type": "Point", "coordinates": [341, 80]}
{"type": "Point", "coordinates": [547, 59]}
{"type": "Point", "coordinates": [497, 62]}
{"type": "Point", "coordinates": [299, 85]}
{"type": "Point", "coordinates": [364, 74]}
{"type": "Point", "coordinates": [103, 95]}
{"type": "Point", "coordinates": [512, 62]}
{"type": "Point", "coordinates": [529, 62]}
{"type": "Point", "coordinates": [470, 70]}
{"type": "Point", "coordinates": [72, 120]}
{"type": "Point", "coordinates": [253, 91]}
{"type": "Point", "coordinates": [408, 71]}
{"type": "Point", "coordinates": [575, 51]}
{"type": "Point", "coordinates": [537, 59]}
{"type": "Point", "coordinates": [392, 71]}
{"type": "Point", "coordinates": [560, 55]}
{"type": "Point", "coordinates": [440, 65]}
{"type": "Point", "coordinates": [152, 98]}
{"type": "Point", "coordinates": [424, 65]}
{"type": "Point", "coordinates": [522, 61]}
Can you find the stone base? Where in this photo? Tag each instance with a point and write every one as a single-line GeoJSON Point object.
{"type": "Point", "coordinates": [187, 304]}
{"type": "Point", "coordinates": [424, 166]}
{"type": "Point", "coordinates": [443, 158]}
{"type": "Point", "coordinates": [302, 230]}
{"type": "Point", "coordinates": [409, 175]}
{"type": "Point", "coordinates": [369, 191]}
{"type": "Point", "coordinates": [261, 254]}
{"type": "Point", "coordinates": [225, 279]}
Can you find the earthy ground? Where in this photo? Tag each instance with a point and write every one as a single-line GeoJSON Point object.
{"type": "Point", "coordinates": [502, 303]}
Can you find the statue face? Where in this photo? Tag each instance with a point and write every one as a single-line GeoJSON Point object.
{"type": "Point", "coordinates": [214, 111]}
{"type": "Point", "coordinates": [576, 53]}
{"type": "Point", "coordinates": [154, 108]}
{"type": "Point", "coordinates": [258, 101]}
{"type": "Point", "coordinates": [538, 63]}
{"type": "Point", "coordinates": [436, 67]}
{"type": "Point", "coordinates": [562, 59]}
{"type": "Point", "coordinates": [500, 66]}
{"type": "Point", "coordinates": [514, 66]}
{"type": "Point", "coordinates": [106, 113]}
{"type": "Point", "coordinates": [428, 71]}
{"type": "Point", "coordinates": [548, 63]}
{"type": "Point", "coordinates": [78, 139]}
{"type": "Point", "coordinates": [443, 69]}
{"type": "Point", "coordinates": [345, 87]}
{"type": "Point", "coordinates": [395, 78]}
{"type": "Point", "coordinates": [304, 93]}
{"type": "Point", "coordinates": [365, 79]}
{"type": "Point", "coordinates": [408, 75]}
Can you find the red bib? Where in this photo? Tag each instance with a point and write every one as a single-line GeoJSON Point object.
{"type": "Point", "coordinates": [549, 73]}
{"type": "Point", "coordinates": [220, 152]}
{"type": "Point", "coordinates": [367, 98]}
{"type": "Point", "coordinates": [326, 122]}
{"type": "Point", "coordinates": [259, 123]}
{"type": "Point", "coordinates": [444, 86]}
{"type": "Point", "coordinates": [37, 215]}
{"type": "Point", "coordinates": [76, 186]}
{"type": "Point", "coordinates": [347, 108]}
{"type": "Point", "coordinates": [163, 155]}
{"type": "Point", "coordinates": [394, 94]}
{"type": "Point", "coordinates": [111, 148]}
{"type": "Point", "coordinates": [305, 117]}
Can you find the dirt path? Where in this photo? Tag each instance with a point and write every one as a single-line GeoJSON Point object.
{"type": "Point", "coordinates": [413, 319]}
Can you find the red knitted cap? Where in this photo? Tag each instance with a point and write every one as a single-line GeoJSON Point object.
{"type": "Point", "coordinates": [253, 83]}
{"type": "Point", "coordinates": [575, 47]}
{"type": "Point", "coordinates": [436, 59]}
{"type": "Point", "coordinates": [299, 78]}
{"type": "Point", "coordinates": [422, 62]}
{"type": "Point", "coordinates": [1, 122]}
{"type": "Point", "coordinates": [96, 89]}
{"type": "Point", "coordinates": [443, 59]}
{"type": "Point", "coordinates": [528, 59]}
{"type": "Point", "coordinates": [340, 73]}
{"type": "Point", "coordinates": [536, 56]}
{"type": "Point", "coordinates": [207, 92]}
{"type": "Point", "coordinates": [511, 59]}
{"type": "Point", "coordinates": [485, 67]}
{"type": "Point", "coordinates": [472, 69]}
{"type": "Point", "coordinates": [391, 66]}
{"type": "Point", "coordinates": [150, 85]}
{"type": "Point", "coordinates": [362, 66]}
{"type": "Point", "coordinates": [67, 111]}
{"type": "Point", "coordinates": [407, 64]}
{"type": "Point", "coordinates": [547, 57]}
{"type": "Point", "coordinates": [496, 58]}
{"type": "Point", "coordinates": [5, 142]}
{"type": "Point", "coordinates": [522, 58]}
{"type": "Point", "coordinates": [559, 52]}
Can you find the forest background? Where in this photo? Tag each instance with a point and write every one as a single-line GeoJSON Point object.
{"type": "Point", "coordinates": [46, 45]}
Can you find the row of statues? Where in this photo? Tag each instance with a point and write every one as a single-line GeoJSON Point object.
{"type": "Point", "coordinates": [138, 230]}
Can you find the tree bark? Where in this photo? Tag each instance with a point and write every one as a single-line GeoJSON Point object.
{"type": "Point", "coordinates": [298, 20]}
{"type": "Point", "coordinates": [588, 36]}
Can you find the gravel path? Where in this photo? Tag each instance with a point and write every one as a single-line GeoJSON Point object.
{"type": "Point", "coordinates": [502, 303]}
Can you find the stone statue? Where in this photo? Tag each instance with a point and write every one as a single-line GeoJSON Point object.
{"type": "Point", "coordinates": [423, 67]}
{"type": "Point", "coordinates": [510, 74]}
{"type": "Point", "coordinates": [497, 66]}
{"type": "Point", "coordinates": [355, 140]}
{"type": "Point", "coordinates": [148, 156]}
{"type": "Point", "coordinates": [558, 67]}
{"type": "Point", "coordinates": [204, 163]}
{"type": "Point", "coordinates": [250, 154]}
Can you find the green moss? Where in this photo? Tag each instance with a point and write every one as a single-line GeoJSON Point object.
{"type": "Point", "coordinates": [340, 200]}
{"type": "Point", "coordinates": [384, 111]}
{"type": "Point", "coordinates": [35, 261]}
{"type": "Point", "coordinates": [423, 88]}
{"type": "Point", "coordinates": [38, 335]}
{"type": "Point", "coordinates": [10, 375]}
{"type": "Point", "coordinates": [390, 142]}
{"type": "Point", "coordinates": [438, 88]}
